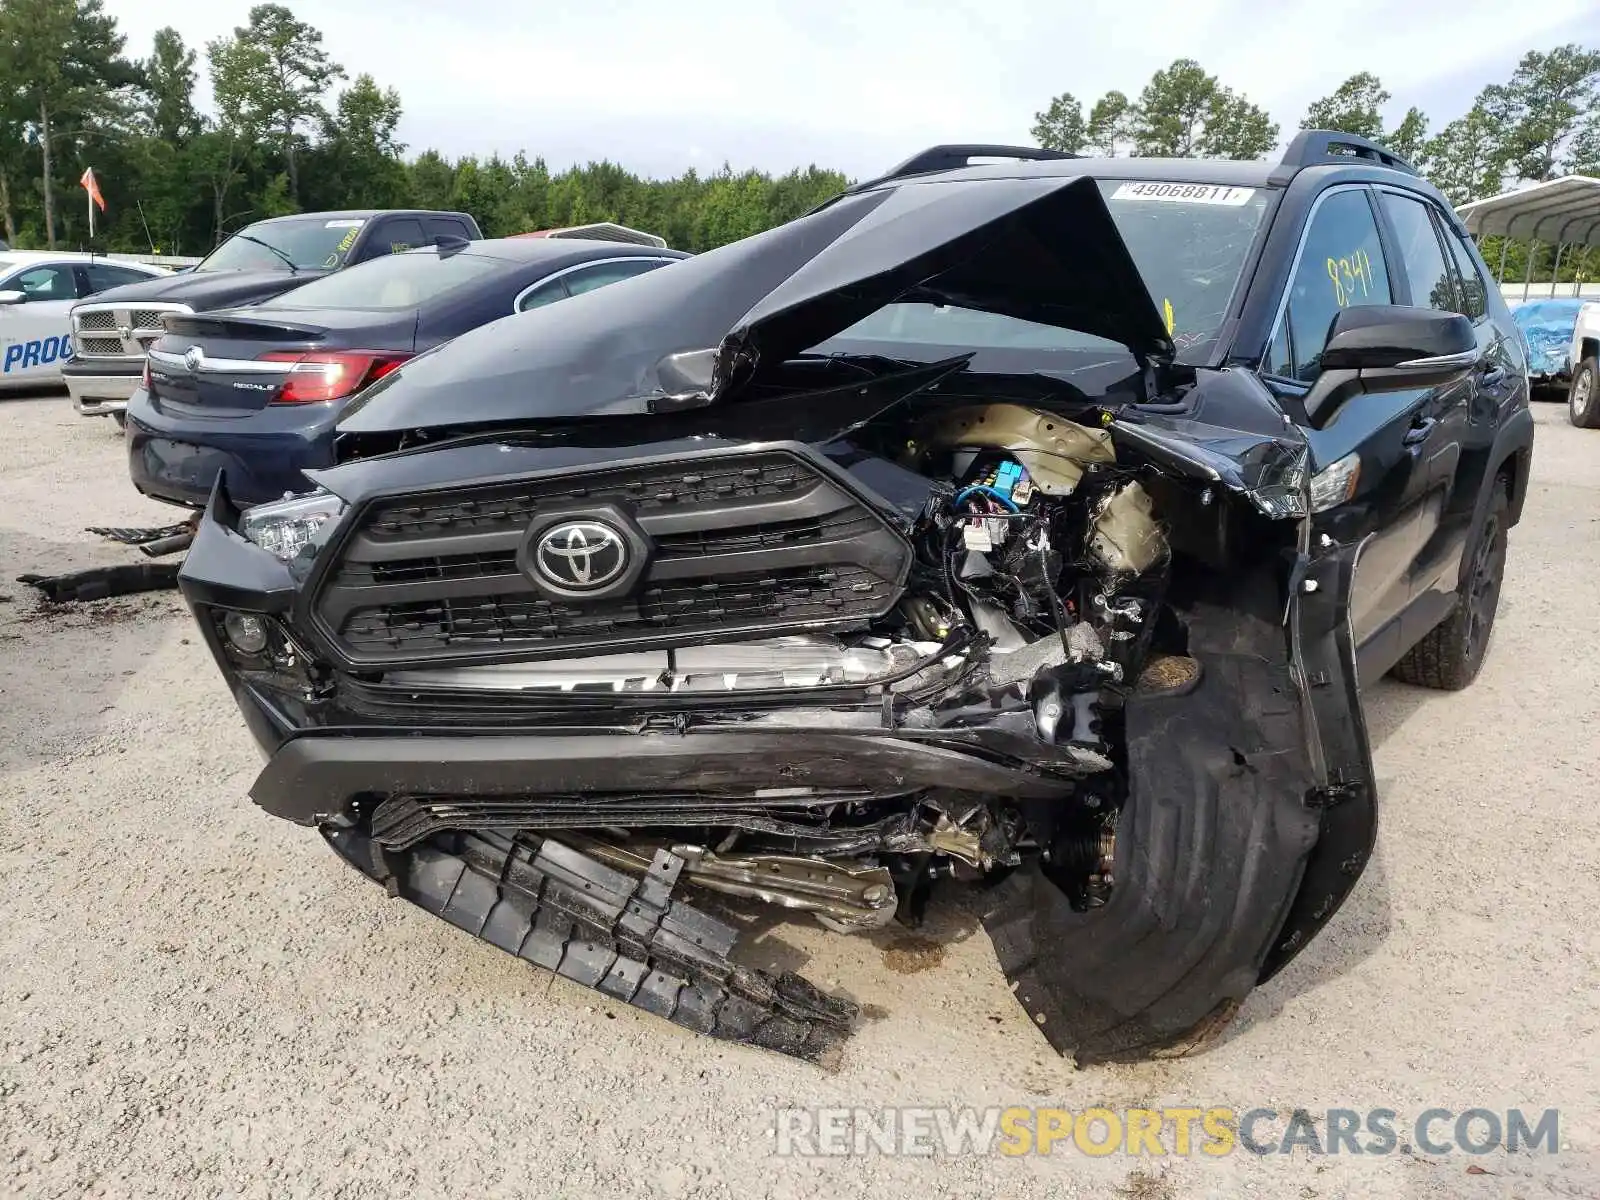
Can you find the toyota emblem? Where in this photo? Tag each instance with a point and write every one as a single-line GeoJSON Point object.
{"type": "Point", "coordinates": [193, 357]}
{"type": "Point", "coordinates": [580, 556]}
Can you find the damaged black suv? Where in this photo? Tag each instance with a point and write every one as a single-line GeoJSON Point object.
{"type": "Point", "coordinates": [1024, 526]}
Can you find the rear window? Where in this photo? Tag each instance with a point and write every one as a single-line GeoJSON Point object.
{"type": "Point", "coordinates": [394, 281]}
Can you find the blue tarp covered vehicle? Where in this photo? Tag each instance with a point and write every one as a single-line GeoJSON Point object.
{"type": "Point", "coordinates": [1547, 327]}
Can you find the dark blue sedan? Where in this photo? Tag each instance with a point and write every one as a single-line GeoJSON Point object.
{"type": "Point", "coordinates": [257, 391]}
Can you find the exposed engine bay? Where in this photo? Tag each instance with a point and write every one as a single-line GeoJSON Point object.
{"type": "Point", "coordinates": [1036, 604]}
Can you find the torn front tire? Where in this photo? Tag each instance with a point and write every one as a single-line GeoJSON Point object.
{"type": "Point", "coordinates": [1210, 846]}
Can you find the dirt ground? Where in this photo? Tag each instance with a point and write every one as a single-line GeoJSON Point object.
{"type": "Point", "coordinates": [199, 1000]}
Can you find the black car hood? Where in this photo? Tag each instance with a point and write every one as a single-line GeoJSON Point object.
{"type": "Point", "coordinates": [1042, 249]}
{"type": "Point", "coordinates": [210, 289]}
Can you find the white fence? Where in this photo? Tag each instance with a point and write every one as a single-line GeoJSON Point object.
{"type": "Point", "coordinates": [1515, 293]}
{"type": "Point", "coordinates": [155, 260]}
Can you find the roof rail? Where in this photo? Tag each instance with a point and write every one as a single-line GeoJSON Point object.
{"type": "Point", "coordinates": [1313, 147]}
{"type": "Point", "coordinates": [954, 157]}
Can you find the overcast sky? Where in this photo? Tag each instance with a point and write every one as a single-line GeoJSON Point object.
{"type": "Point", "coordinates": [860, 84]}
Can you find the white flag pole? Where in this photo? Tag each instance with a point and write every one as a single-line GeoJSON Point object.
{"type": "Point", "coordinates": [90, 195]}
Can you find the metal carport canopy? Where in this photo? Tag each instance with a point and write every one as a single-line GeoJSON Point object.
{"type": "Point", "coordinates": [1563, 211]}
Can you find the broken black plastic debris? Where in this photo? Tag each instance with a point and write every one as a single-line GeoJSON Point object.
{"type": "Point", "coordinates": [98, 583]}
{"type": "Point", "coordinates": [629, 938]}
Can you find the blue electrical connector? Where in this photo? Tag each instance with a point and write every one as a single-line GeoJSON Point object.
{"type": "Point", "coordinates": [986, 490]}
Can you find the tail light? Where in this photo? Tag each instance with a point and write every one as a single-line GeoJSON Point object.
{"type": "Point", "coordinates": [145, 381]}
{"type": "Point", "coordinates": [330, 375]}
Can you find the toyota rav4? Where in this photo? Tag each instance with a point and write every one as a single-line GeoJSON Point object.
{"type": "Point", "coordinates": [1025, 526]}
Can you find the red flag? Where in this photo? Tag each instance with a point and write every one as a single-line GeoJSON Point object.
{"type": "Point", "coordinates": [93, 188]}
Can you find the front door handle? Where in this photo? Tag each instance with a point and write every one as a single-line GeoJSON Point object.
{"type": "Point", "coordinates": [1419, 431]}
{"type": "Point", "coordinates": [1491, 374]}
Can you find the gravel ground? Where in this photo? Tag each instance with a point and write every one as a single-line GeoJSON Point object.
{"type": "Point", "coordinates": [198, 1000]}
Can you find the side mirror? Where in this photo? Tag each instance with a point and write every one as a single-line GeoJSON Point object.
{"type": "Point", "coordinates": [1389, 347]}
{"type": "Point", "coordinates": [13, 297]}
{"type": "Point", "coordinates": [1383, 336]}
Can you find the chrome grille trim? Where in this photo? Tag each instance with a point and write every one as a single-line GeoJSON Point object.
{"type": "Point", "coordinates": [129, 328]}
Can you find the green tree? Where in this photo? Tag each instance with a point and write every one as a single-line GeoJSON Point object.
{"type": "Point", "coordinates": [1356, 106]}
{"type": "Point", "coordinates": [1409, 139]}
{"type": "Point", "coordinates": [62, 62]}
{"type": "Point", "coordinates": [1061, 126]}
{"type": "Point", "coordinates": [1110, 123]}
{"type": "Point", "coordinates": [1183, 112]}
{"type": "Point", "coordinates": [359, 154]}
{"type": "Point", "coordinates": [169, 78]}
{"type": "Point", "coordinates": [432, 181]}
{"type": "Point", "coordinates": [273, 74]}
{"type": "Point", "coordinates": [1584, 156]}
{"type": "Point", "coordinates": [1548, 99]}
{"type": "Point", "coordinates": [1235, 128]}
{"type": "Point", "coordinates": [1170, 116]}
{"type": "Point", "coordinates": [1467, 160]}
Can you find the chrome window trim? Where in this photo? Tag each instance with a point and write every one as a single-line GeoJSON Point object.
{"type": "Point", "coordinates": [516, 305]}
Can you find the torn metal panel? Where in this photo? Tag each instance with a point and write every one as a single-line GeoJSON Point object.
{"type": "Point", "coordinates": [644, 348]}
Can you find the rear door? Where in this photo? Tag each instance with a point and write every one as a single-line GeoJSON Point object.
{"type": "Point", "coordinates": [35, 333]}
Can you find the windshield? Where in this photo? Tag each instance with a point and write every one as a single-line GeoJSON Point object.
{"type": "Point", "coordinates": [394, 281]}
{"type": "Point", "coordinates": [1189, 242]}
{"type": "Point", "coordinates": [314, 243]}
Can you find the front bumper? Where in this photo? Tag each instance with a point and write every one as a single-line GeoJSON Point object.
{"type": "Point", "coordinates": [102, 389]}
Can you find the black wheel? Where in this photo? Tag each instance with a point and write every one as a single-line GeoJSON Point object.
{"type": "Point", "coordinates": [1452, 653]}
{"type": "Point", "coordinates": [1583, 401]}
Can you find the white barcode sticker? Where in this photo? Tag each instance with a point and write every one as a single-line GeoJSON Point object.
{"type": "Point", "coordinates": [1185, 193]}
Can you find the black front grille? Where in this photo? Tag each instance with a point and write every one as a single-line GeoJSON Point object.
{"type": "Point", "coordinates": [695, 485]}
{"type": "Point", "coordinates": [739, 544]}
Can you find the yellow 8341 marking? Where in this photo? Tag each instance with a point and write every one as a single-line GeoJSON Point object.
{"type": "Point", "coordinates": [1351, 276]}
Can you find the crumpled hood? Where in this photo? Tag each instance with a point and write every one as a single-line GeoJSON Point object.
{"type": "Point", "coordinates": [209, 289]}
{"type": "Point", "coordinates": [1042, 249]}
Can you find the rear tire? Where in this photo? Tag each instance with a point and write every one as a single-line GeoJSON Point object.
{"type": "Point", "coordinates": [1452, 653]}
{"type": "Point", "coordinates": [1583, 399]}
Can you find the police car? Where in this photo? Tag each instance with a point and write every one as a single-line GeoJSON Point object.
{"type": "Point", "coordinates": [37, 291]}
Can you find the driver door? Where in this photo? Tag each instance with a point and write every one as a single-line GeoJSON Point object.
{"type": "Point", "coordinates": [35, 334]}
{"type": "Point", "coordinates": [1343, 264]}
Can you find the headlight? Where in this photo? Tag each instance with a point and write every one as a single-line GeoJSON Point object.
{"type": "Point", "coordinates": [1336, 483]}
{"type": "Point", "coordinates": [293, 529]}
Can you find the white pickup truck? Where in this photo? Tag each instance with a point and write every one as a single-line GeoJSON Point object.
{"type": "Point", "coordinates": [1583, 401]}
